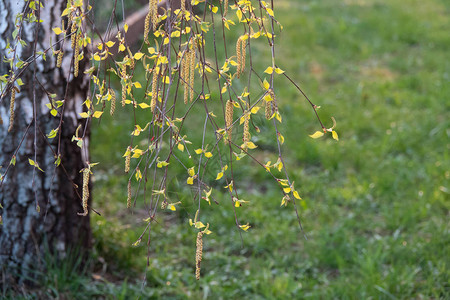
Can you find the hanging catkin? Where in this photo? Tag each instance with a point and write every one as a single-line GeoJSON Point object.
{"type": "Point", "coordinates": [228, 120]}
{"type": "Point", "coordinates": [73, 37]}
{"type": "Point", "coordinates": [11, 108]}
{"type": "Point", "coordinates": [85, 193]}
{"type": "Point", "coordinates": [147, 23]}
{"type": "Point", "coordinates": [76, 54]}
{"type": "Point", "coordinates": [113, 101]}
{"type": "Point", "coordinates": [246, 137]}
{"type": "Point", "coordinates": [129, 194]}
{"type": "Point", "coordinates": [154, 89]}
{"type": "Point", "coordinates": [198, 254]}
{"type": "Point", "coordinates": [240, 56]}
{"type": "Point", "coordinates": [225, 7]}
{"type": "Point", "coordinates": [128, 160]}
{"type": "Point", "coordinates": [59, 58]}
{"type": "Point", "coordinates": [185, 74]}
{"type": "Point", "coordinates": [191, 73]}
{"type": "Point", "coordinates": [123, 74]}
{"type": "Point", "coordinates": [154, 9]}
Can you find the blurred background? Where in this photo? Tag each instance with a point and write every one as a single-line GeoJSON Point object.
{"type": "Point", "coordinates": [375, 204]}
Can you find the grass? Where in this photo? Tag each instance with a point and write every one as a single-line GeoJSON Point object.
{"type": "Point", "coordinates": [376, 203]}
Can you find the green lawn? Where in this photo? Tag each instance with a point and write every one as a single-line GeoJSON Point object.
{"type": "Point", "coordinates": [376, 203]}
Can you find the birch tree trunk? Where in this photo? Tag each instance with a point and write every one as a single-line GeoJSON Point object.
{"type": "Point", "coordinates": [39, 209]}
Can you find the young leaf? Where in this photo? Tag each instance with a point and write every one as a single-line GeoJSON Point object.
{"type": "Point", "coordinates": [316, 134]}
{"type": "Point", "coordinates": [335, 135]}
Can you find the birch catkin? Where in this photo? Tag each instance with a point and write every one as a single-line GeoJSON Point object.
{"type": "Point", "coordinates": [59, 58]}
{"type": "Point", "coordinates": [185, 75]}
{"type": "Point", "coordinates": [123, 74]}
{"type": "Point", "coordinates": [198, 254]}
{"type": "Point", "coordinates": [128, 160]}
{"type": "Point", "coordinates": [73, 37]}
{"type": "Point", "coordinates": [147, 26]}
{"type": "Point", "coordinates": [183, 6]}
{"type": "Point", "coordinates": [76, 54]}
{"type": "Point", "coordinates": [228, 120]}
{"type": "Point", "coordinates": [240, 56]}
{"type": "Point", "coordinates": [154, 89]}
{"type": "Point", "coordinates": [85, 195]}
{"type": "Point", "coordinates": [246, 137]}
{"type": "Point", "coordinates": [11, 108]}
{"type": "Point", "coordinates": [129, 194]}
{"type": "Point", "coordinates": [191, 73]}
{"type": "Point", "coordinates": [154, 9]}
{"type": "Point", "coordinates": [113, 101]}
{"type": "Point", "coordinates": [225, 8]}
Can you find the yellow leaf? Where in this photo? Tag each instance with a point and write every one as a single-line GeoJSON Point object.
{"type": "Point", "coordinates": [84, 115]}
{"type": "Point", "coordinates": [208, 154]}
{"type": "Point", "coordinates": [137, 153]}
{"type": "Point", "coordinates": [283, 182]}
{"type": "Point", "coordinates": [110, 43]}
{"type": "Point", "coordinates": [97, 57]}
{"type": "Point", "coordinates": [316, 134]}
{"type": "Point", "coordinates": [137, 85]}
{"type": "Point", "coordinates": [190, 180]}
{"type": "Point", "coordinates": [198, 151]}
{"type": "Point", "coordinates": [162, 164]}
{"type": "Point", "coordinates": [138, 175]}
{"type": "Point", "coordinates": [214, 9]}
{"type": "Point", "coordinates": [255, 109]}
{"type": "Point", "coordinates": [266, 85]}
{"type": "Point", "coordinates": [175, 34]}
{"type": "Point", "coordinates": [251, 145]}
{"type": "Point", "coordinates": [167, 80]}
{"type": "Point", "coordinates": [279, 71]}
{"type": "Point", "coordinates": [172, 207]}
{"type": "Point", "coordinates": [121, 47]}
{"type": "Point", "coordinates": [125, 27]}
{"type": "Point", "coordinates": [245, 227]}
{"type": "Point", "coordinates": [191, 171]}
{"type": "Point", "coordinates": [65, 12]}
{"type": "Point", "coordinates": [269, 70]}
{"type": "Point", "coordinates": [180, 147]}
{"type": "Point", "coordinates": [296, 195]}
{"type": "Point", "coordinates": [281, 139]}
{"type": "Point", "coordinates": [199, 225]}
{"type": "Point", "coordinates": [335, 135]}
{"type": "Point", "coordinates": [144, 105]}
{"type": "Point", "coordinates": [280, 166]}
{"type": "Point", "coordinates": [97, 114]}
{"type": "Point", "coordinates": [287, 190]}
{"type": "Point", "coordinates": [138, 55]}
{"type": "Point", "coordinates": [239, 14]}
{"type": "Point", "coordinates": [278, 116]}
{"type": "Point", "coordinates": [269, 11]}
{"type": "Point", "coordinates": [219, 175]}
{"type": "Point", "coordinates": [57, 30]}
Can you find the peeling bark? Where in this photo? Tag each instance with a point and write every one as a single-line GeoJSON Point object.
{"type": "Point", "coordinates": [27, 233]}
